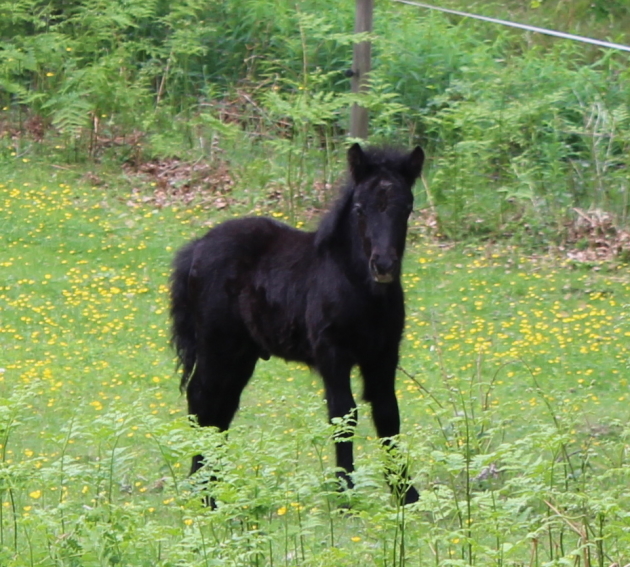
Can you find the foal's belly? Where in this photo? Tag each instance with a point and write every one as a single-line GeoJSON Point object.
{"type": "Point", "coordinates": [277, 328]}
{"type": "Point", "coordinates": [285, 341]}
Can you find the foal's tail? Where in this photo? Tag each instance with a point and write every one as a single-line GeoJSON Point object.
{"type": "Point", "coordinates": [183, 335]}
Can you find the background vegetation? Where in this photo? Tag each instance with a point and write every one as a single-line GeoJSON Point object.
{"type": "Point", "coordinates": [520, 128]}
{"type": "Point", "coordinates": [127, 127]}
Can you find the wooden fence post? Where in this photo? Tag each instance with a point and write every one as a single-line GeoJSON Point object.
{"type": "Point", "coordinates": [361, 64]}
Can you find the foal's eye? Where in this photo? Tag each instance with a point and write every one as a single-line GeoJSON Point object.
{"type": "Point", "coordinates": [358, 208]}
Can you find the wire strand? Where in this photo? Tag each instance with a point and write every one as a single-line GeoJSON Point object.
{"type": "Point", "coordinates": [554, 33]}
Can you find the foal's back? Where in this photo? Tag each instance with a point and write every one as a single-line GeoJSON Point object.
{"type": "Point", "coordinates": [253, 274]}
{"type": "Point", "coordinates": [253, 247]}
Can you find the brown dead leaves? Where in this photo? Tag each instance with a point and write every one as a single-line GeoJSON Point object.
{"type": "Point", "coordinates": [177, 182]}
{"type": "Point", "coordinates": [593, 236]}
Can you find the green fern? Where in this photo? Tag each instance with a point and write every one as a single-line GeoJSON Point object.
{"type": "Point", "coordinates": [70, 112]}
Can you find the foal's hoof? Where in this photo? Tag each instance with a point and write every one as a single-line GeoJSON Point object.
{"type": "Point", "coordinates": [209, 502]}
{"type": "Point", "coordinates": [408, 497]}
{"type": "Point", "coordinates": [344, 482]}
{"type": "Point", "coordinates": [411, 496]}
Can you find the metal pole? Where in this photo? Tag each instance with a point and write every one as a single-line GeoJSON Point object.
{"type": "Point", "coordinates": [361, 64]}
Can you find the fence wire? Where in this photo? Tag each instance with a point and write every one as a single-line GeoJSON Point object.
{"type": "Point", "coordinates": [600, 43]}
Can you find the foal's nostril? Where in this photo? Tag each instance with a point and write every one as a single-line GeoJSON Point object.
{"type": "Point", "coordinates": [382, 265]}
{"type": "Point", "coordinates": [377, 266]}
{"type": "Point", "coordinates": [383, 269]}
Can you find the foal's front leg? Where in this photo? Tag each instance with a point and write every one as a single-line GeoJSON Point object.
{"type": "Point", "coordinates": [335, 370]}
{"type": "Point", "coordinates": [380, 390]}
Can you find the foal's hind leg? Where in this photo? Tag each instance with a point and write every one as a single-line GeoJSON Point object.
{"type": "Point", "coordinates": [215, 388]}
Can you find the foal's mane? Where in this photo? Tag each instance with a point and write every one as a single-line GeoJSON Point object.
{"type": "Point", "coordinates": [328, 230]}
{"type": "Point", "coordinates": [374, 159]}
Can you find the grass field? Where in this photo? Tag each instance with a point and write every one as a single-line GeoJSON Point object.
{"type": "Point", "coordinates": [513, 388]}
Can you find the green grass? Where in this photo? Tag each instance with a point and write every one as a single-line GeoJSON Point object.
{"type": "Point", "coordinates": [513, 395]}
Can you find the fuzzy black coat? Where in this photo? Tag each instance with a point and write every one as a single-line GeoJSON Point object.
{"type": "Point", "coordinates": [254, 287]}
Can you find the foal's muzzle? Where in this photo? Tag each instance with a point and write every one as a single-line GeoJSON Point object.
{"type": "Point", "coordinates": [383, 269]}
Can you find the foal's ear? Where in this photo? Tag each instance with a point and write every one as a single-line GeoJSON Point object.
{"type": "Point", "coordinates": [412, 165]}
{"type": "Point", "coordinates": [358, 163]}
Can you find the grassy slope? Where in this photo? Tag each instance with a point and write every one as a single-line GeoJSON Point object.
{"type": "Point", "coordinates": [95, 470]}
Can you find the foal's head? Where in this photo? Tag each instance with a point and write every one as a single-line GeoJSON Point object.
{"type": "Point", "coordinates": [381, 202]}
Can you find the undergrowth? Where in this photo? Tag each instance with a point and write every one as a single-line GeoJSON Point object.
{"type": "Point", "coordinates": [519, 129]}
{"type": "Point", "coordinates": [129, 127]}
{"type": "Point", "coordinates": [511, 383]}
